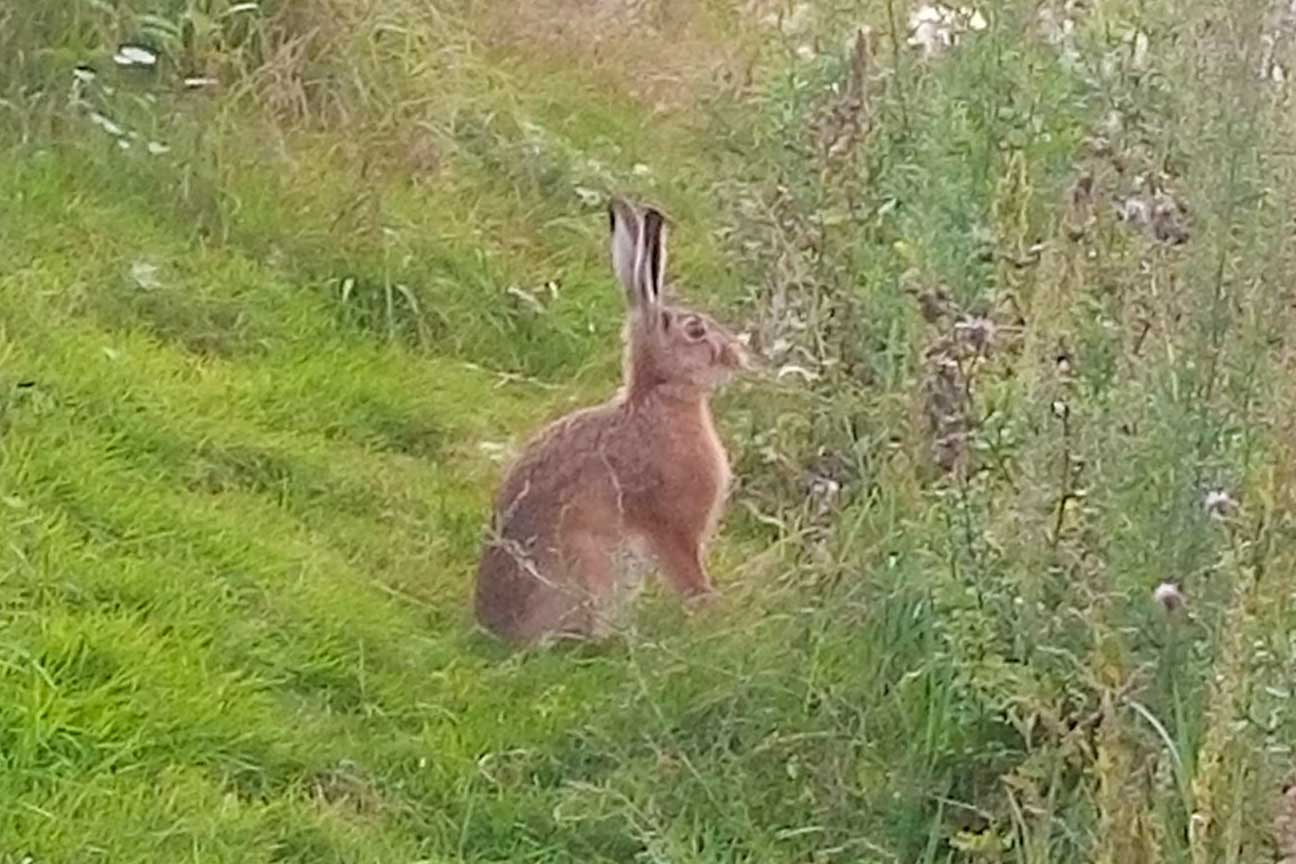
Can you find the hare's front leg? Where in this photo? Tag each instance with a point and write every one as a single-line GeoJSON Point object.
{"type": "Point", "coordinates": [679, 554]}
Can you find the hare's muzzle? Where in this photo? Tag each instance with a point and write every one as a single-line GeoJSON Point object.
{"type": "Point", "coordinates": [735, 357]}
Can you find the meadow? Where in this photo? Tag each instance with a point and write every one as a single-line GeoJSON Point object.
{"type": "Point", "coordinates": [1009, 569]}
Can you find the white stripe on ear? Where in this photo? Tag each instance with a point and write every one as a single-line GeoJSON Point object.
{"type": "Point", "coordinates": [653, 272]}
{"type": "Point", "coordinates": [627, 246]}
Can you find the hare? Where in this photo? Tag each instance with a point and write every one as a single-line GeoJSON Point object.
{"type": "Point", "coordinates": [644, 471]}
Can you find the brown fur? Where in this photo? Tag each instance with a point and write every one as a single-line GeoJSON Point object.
{"type": "Point", "coordinates": [645, 470]}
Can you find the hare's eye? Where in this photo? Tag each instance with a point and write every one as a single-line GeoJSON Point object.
{"type": "Point", "coordinates": [694, 328]}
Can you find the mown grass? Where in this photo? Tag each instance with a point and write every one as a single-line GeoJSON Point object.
{"type": "Point", "coordinates": [255, 392]}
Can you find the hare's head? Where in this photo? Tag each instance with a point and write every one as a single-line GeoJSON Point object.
{"type": "Point", "coordinates": [667, 346]}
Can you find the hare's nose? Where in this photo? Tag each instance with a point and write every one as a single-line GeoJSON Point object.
{"type": "Point", "coordinates": [732, 356]}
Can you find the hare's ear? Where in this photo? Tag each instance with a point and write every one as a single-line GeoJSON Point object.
{"type": "Point", "coordinates": [653, 274]}
{"type": "Point", "coordinates": [627, 246]}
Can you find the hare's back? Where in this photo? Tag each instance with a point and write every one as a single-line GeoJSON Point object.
{"type": "Point", "coordinates": [564, 469]}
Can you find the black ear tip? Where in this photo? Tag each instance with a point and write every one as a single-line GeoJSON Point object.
{"type": "Point", "coordinates": [652, 211]}
{"type": "Point", "coordinates": [621, 210]}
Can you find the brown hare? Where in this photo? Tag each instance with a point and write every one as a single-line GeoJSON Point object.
{"type": "Point", "coordinates": [644, 471]}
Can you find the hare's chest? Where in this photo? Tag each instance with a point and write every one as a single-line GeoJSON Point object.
{"type": "Point", "coordinates": [703, 465]}
{"type": "Point", "coordinates": [716, 459]}
{"type": "Point", "coordinates": [684, 465]}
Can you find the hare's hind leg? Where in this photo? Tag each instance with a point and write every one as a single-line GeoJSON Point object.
{"type": "Point", "coordinates": [679, 554]}
{"type": "Point", "coordinates": [573, 606]}
{"type": "Point", "coordinates": [592, 569]}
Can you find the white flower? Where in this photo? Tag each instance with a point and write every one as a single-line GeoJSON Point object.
{"type": "Point", "coordinates": [935, 27]}
{"type": "Point", "coordinates": [976, 21]}
{"type": "Point", "coordinates": [134, 55]}
{"type": "Point", "coordinates": [589, 197]}
{"type": "Point", "coordinates": [145, 275]}
{"type": "Point", "coordinates": [1169, 596]}
{"type": "Point", "coordinates": [1218, 503]}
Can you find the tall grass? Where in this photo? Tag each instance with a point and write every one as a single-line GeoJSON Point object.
{"type": "Point", "coordinates": [1024, 305]}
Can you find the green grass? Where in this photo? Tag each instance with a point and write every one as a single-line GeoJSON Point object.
{"type": "Point", "coordinates": [255, 393]}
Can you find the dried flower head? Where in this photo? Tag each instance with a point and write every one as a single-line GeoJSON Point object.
{"type": "Point", "coordinates": [979, 332]}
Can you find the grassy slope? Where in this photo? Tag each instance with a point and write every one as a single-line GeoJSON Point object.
{"type": "Point", "coordinates": [241, 511]}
